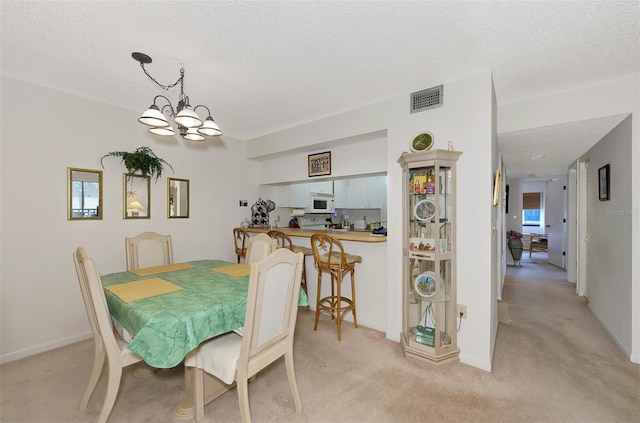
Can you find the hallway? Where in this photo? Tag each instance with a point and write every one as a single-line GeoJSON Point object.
{"type": "Point", "coordinates": [563, 348]}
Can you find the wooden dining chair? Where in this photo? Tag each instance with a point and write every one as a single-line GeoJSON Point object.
{"type": "Point", "coordinates": [240, 241]}
{"type": "Point", "coordinates": [148, 249]}
{"type": "Point", "coordinates": [283, 241]}
{"type": "Point", "coordinates": [259, 247]}
{"type": "Point", "coordinates": [269, 326]}
{"type": "Point", "coordinates": [106, 343]}
{"type": "Point", "coordinates": [329, 256]}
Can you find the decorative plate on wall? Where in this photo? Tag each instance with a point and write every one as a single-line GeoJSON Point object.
{"type": "Point", "coordinates": [422, 142]}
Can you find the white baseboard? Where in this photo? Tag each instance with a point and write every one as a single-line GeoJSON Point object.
{"type": "Point", "coordinates": [616, 341]}
{"type": "Point", "coordinates": [474, 362]}
{"type": "Point", "coordinates": [27, 352]}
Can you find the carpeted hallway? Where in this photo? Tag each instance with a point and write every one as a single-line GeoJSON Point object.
{"type": "Point", "coordinates": [554, 363]}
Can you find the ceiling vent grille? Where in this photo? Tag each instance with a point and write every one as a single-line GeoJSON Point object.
{"type": "Point", "coordinates": [426, 99]}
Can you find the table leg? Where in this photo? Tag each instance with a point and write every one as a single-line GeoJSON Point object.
{"type": "Point", "coordinates": [213, 388]}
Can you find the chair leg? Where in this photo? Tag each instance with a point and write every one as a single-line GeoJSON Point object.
{"type": "Point", "coordinates": [304, 275]}
{"type": "Point", "coordinates": [315, 325]}
{"type": "Point", "coordinates": [98, 361]}
{"type": "Point", "coordinates": [113, 385]}
{"type": "Point", "coordinates": [338, 304]}
{"type": "Point", "coordinates": [243, 400]}
{"type": "Point", "coordinates": [293, 383]}
{"type": "Point", "coordinates": [332, 298]}
{"type": "Point", "coordinates": [353, 298]}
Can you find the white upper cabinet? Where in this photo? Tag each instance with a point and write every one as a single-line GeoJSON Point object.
{"type": "Point", "coordinates": [340, 193]}
{"type": "Point", "coordinates": [279, 194]}
{"type": "Point", "coordinates": [361, 193]}
{"type": "Point", "coordinates": [355, 193]}
{"type": "Point", "coordinates": [325, 187]}
{"type": "Point", "coordinates": [377, 192]}
{"type": "Point", "coordinates": [299, 195]}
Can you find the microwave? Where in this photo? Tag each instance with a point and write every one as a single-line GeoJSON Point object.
{"type": "Point", "coordinates": [321, 203]}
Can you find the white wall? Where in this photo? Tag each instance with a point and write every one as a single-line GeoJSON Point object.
{"type": "Point", "coordinates": [609, 254]}
{"type": "Point", "coordinates": [608, 98]}
{"type": "Point", "coordinates": [356, 156]}
{"type": "Point", "coordinates": [466, 121]}
{"type": "Point", "coordinates": [41, 305]}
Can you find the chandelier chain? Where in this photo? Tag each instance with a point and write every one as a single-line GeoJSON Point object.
{"type": "Point", "coordinates": [164, 87]}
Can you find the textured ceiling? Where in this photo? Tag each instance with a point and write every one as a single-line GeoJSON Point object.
{"type": "Point", "coordinates": [265, 66]}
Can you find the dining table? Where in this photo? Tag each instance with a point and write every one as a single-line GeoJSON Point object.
{"type": "Point", "coordinates": [169, 310]}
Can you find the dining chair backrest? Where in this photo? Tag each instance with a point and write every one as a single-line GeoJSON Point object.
{"type": "Point", "coordinates": [79, 257]}
{"type": "Point", "coordinates": [259, 247]}
{"type": "Point", "coordinates": [106, 344]}
{"type": "Point", "coordinates": [269, 327]}
{"type": "Point", "coordinates": [272, 310]}
{"type": "Point", "coordinates": [148, 249]}
{"type": "Point", "coordinates": [240, 241]}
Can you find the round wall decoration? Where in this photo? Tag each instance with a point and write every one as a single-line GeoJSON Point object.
{"type": "Point", "coordinates": [422, 142]}
{"type": "Point", "coordinates": [425, 284]}
{"type": "Point", "coordinates": [424, 210]}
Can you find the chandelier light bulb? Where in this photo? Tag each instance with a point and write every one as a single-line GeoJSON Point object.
{"type": "Point", "coordinates": [188, 118]}
{"type": "Point", "coordinates": [210, 128]}
{"type": "Point", "coordinates": [193, 135]}
{"type": "Point", "coordinates": [153, 117]}
{"type": "Point", "coordinates": [166, 131]}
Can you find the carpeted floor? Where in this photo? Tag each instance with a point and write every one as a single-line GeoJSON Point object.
{"type": "Point", "coordinates": [554, 363]}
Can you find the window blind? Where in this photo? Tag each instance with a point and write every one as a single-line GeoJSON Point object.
{"type": "Point", "coordinates": [531, 201]}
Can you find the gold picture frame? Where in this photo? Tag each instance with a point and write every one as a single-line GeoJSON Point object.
{"type": "Point", "coordinates": [496, 188]}
{"type": "Point", "coordinates": [320, 164]}
{"type": "Point", "coordinates": [137, 196]}
{"type": "Point", "coordinates": [84, 194]}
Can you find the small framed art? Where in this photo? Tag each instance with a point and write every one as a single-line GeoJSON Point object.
{"type": "Point", "coordinates": [496, 188]}
{"type": "Point", "coordinates": [603, 183]}
{"type": "Point", "coordinates": [320, 164]}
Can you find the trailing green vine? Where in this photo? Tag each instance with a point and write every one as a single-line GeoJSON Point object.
{"type": "Point", "coordinates": [142, 160]}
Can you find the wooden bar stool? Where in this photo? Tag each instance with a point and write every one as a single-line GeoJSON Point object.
{"type": "Point", "coordinates": [285, 242]}
{"type": "Point", "coordinates": [329, 256]}
{"type": "Point", "coordinates": [240, 242]}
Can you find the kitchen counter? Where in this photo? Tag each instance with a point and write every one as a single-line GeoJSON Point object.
{"type": "Point", "coordinates": [371, 280]}
{"type": "Point", "coordinates": [342, 235]}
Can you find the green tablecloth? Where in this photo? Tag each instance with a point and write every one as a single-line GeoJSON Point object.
{"type": "Point", "coordinates": [166, 327]}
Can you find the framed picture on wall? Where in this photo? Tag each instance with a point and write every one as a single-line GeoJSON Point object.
{"type": "Point", "coordinates": [496, 188]}
{"type": "Point", "coordinates": [320, 164]}
{"type": "Point", "coordinates": [603, 183]}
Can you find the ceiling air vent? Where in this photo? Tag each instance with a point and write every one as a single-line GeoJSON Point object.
{"type": "Point", "coordinates": [426, 99]}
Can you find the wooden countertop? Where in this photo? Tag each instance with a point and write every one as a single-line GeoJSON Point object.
{"type": "Point", "coordinates": [357, 236]}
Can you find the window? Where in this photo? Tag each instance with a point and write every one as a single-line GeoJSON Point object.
{"type": "Point", "coordinates": [531, 209]}
{"type": "Point", "coordinates": [531, 217]}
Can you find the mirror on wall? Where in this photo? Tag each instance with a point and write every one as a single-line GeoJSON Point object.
{"type": "Point", "coordinates": [177, 198]}
{"type": "Point", "coordinates": [84, 194]}
{"type": "Point", "coordinates": [137, 196]}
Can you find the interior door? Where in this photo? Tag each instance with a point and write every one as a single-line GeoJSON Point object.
{"type": "Point", "coordinates": [555, 207]}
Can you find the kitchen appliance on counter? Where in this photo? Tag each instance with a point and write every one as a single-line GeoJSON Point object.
{"type": "Point", "coordinates": [313, 222]}
{"type": "Point", "coordinates": [321, 203]}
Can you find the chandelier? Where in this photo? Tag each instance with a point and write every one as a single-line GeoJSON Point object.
{"type": "Point", "coordinates": [190, 126]}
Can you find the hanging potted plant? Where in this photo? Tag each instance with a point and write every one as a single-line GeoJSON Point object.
{"type": "Point", "coordinates": [515, 244]}
{"type": "Point", "coordinates": [143, 160]}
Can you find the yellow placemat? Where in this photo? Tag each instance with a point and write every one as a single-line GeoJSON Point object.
{"type": "Point", "coordinates": [234, 269]}
{"type": "Point", "coordinates": [148, 271]}
{"type": "Point", "coordinates": [139, 290]}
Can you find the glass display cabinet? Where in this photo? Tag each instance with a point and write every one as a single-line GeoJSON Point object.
{"type": "Point", "coordinates": [429, 310]}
